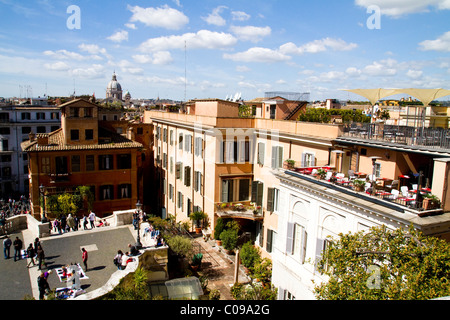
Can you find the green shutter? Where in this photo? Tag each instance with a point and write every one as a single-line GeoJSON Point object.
{"type": "Point", "coordinates": [259, 200]}
{"type": "Point", "coordinates": [270, 198]}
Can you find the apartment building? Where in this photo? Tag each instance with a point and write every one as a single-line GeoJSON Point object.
{"type": "Point", "coordinates": [16, 123]}
{"type": "Point", "coordinates": [86, 151]}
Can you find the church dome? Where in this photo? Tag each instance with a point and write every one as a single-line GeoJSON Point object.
{"type": "Point", "coordinates": [114, 84]}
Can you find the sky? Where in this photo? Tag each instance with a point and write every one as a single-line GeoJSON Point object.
{"type": "Point", "coordinates": [183, 49]}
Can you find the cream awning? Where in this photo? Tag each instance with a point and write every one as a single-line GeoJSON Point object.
{"type": "Point", "coordinates": [424, 95]}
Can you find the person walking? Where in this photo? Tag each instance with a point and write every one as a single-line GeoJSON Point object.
{"type": "Point", "coordinates": [17, 248]}
{"type": "Point", "coordinates": [43, 285]}
{"type": "Point", "coordinates": [92, 219]}
{"type": "Point", "coordinates": [31, 254]}
{"type": "Point", "coordinates": [7, 247]}
{"type": "Point", "coordinates": [84, 256]}
{"type": "Point", "coordinates": [41, 257]}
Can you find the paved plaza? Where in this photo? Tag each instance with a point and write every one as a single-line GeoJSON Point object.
{"type": "Point", "coordinates": [18, 281]}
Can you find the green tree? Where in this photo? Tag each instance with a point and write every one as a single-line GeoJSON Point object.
{"type": "Point", "coordinates": [67, 203]}
{"type": "Point", "coordinates": [385, 265]}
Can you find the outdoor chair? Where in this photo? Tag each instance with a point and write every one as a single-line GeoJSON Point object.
{"type": "Point", "coordinates": [392, 186]}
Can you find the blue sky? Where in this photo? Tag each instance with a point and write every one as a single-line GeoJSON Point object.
{"type": "Point", "coordinates": [223, 47]}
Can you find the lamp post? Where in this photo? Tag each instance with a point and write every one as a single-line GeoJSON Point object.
{"type": "Point", "coordinates": [138, 244]}
{"type": "Point", "coordinates": [41, 191]}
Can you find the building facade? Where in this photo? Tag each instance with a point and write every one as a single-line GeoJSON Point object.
{"type": "Point", "coordinates": [85, 152]}
{"type": "Point", "coordinates": [16, 123]}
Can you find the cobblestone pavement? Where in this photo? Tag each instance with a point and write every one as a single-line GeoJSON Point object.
{"type": "Point", "coordinates": [219, 268]}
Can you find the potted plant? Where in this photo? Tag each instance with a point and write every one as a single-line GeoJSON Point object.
{"type": "Point", "coordinates": [249, 255]}
{"type": "Point", "coordinates": [229, 239]}
{"type": "Point", "coordinates": [321, 173]}
{"type": "Point", "coordinates": [289, 164]}
{"type": "Point", "coordinates": [196, 261]}
{"type": "Point", "coordinates": [197, 218]}
{"type": "Point", "coordinates": [220, 226]}
{"type": "Point", "coordinates": [359, 184]}
{"type": "Point", "coordinates": [430, 202]}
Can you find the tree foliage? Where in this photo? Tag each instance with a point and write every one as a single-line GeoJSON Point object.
{"type": "Point", "coordinates": [385, 265]}
{"type": "Point", "coordinates": [323, 115]}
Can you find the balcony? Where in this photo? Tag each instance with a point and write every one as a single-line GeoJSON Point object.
{"type": "Point", "coordinates": [429, 138]}
{"type": "Point", "coordinates": [246, 210]}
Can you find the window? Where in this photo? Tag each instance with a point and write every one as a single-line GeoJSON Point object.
{"type": "Point", "coordinates": [261, 153]}
{"type": "Point", "coordinates": [105, 162]}
{"type": "Point", "coordinates": [158, 133]}
{"type": "Point", "coordinates": [178, 172]}
{"type": "Point", "coordinates": [54, 116]}
{"type": "Point", "coordinates": [61, 165]}
{"type": "Point", "coordinates": [26, 116]}
{"type": "Point", "coordinates": [88, 112]}
{"type": "Point", "coordinates": [198, 182]}
{"type": "Point", "coordinates": [140, 131]}
{"type": "Point", "coordinates": [106, 192]}
{"type": "Point", "coordinates": [74, 112]}
{"type": "Point", "coordinates": [244, 189]}
{"type": "Point", "coordinates": [171, 137]}
{"type": "Point", "coordinates": [89, 134]}
{"type": "Point", "coordinates": [296, 241]}
{"type": "Point", "coordinates": [5, 130]}
{"type": "Point", "coordinates": [198, 147]}
{"type": "Point", "coordinates": [75, 161]}
{"type": "Point", "coordinates": [165, 135]}
{"type": "Point", "coordinates": [74, 135]}
{"type": "Point", "coordinates": [124, 161]}
{"type": "Point", "coordinates": [244, 151]}
{"type": "Point", "coordinates": [180, 141]}
{"type": "Point", "coordinates": [171, 192]}
{"type": "Point", "coordinates": [4, 117]}
{"type": "Point", "coordinates": [180, 201]}
{"type": "Point", "coordinates": [5, 158]}
{"type": "Point", "coordinates": [272, 199]}
{"type": "Point", "coordinates": [26, 130]}
{"type": "Point", "coordinates": [45, 165]}
{"type": "Point", "coordinates": [90, 163]}
{"type": "Point", "coordinates": [308, 160]}
{"type": "Point", "coordinates": [257, 192]}
{"type": "Point", "coordinates": [40, 129]}
{"type": "Point", "coordinates": [124, 191]}
{"type": "Point", "coordinates": [171, 165]}
{"type": "Point", "coordinates": [5, 145]}
{"type": "Point", "coordinates": [6, 172]}
{"type": "Point", "coordinates": [188, 143]}
{"type": "Point", "coordinates": [40, 115]}
{"type": "Point", "coordinates": [227, 191]}
{"type": "Point", "coordinates": [270, 240]}
{"type": "Point", "coordinates": [377, 169]}
{"type": "Point", "coordinates": [164, 164]}
{"type": "Point", "coordinates": [187, 176]}
{"type": "Point", "coordinates": [277, 157]}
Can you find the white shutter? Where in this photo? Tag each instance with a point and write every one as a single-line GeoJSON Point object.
{"type": "Point", "coordinates": [290, 238]}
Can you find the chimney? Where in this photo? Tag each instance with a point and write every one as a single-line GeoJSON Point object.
{"type": "Point", "coordinates": [32, 136]}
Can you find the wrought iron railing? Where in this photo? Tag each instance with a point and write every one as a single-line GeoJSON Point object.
{"type": "Point", "coordinates": [437, 138]}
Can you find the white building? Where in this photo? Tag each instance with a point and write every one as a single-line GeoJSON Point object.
{"type": "Point", "coordinates": [16, 124]}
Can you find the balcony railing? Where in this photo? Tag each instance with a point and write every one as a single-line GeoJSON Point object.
{"type": "Point", "coordinates": [435, 138]}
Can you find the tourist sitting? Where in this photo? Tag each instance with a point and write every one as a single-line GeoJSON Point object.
{"type": "Point", "coordinates": [133, 250]}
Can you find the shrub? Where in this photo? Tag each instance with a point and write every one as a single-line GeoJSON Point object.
{"type": "Point", "coordinates": [249, 255]}
{"type": "Point", "coordinates": [220, 226]}
{"type": "Point", "coordinates": [229, 238]}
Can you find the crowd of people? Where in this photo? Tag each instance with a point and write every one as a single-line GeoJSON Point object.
{"type": "Point", "coordinates": [13, 207]}
{"type": "Point", "coordinates": [65, 224]}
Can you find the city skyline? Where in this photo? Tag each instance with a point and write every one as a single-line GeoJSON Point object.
{"type": "Point", "coordinates": [183, 50]}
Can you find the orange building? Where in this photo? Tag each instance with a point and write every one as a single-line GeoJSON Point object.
{"type": "Point", "coordinates": [85, 152]}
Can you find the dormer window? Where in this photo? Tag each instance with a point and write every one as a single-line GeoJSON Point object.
{"type": "Point", "coordinates": [74, 112]}
{"type": "Point", "coordinates": [88, 112]}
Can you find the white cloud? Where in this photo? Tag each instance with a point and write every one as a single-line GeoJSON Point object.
{"type": "Point", "coordinates": [251, 33]}
{"type": "Point", "coordinates": [158, 58]}
{"type": "Point", "coordinates": [203, 39]}
{"type": "Point", "coordinates": [442, 43]}
{"type": "Point", "coordinates": [214, 18]}
{"type": "Point", "coordinates": [381, 68]}
{"type": "Point", "coordinates": [57, 66]}
{"type": "Point", "coordinates": [240, 16]}
{"type": "Point", "coordinates": [397, 8]}
{"type": "Point", "coordinates": [242, 69]}
{"type": "Point", "coordinates": [318, 46]}
{"type": "Point", "coordinates": [131, 26]}
{"type": "Point", "coordinates": [414, 74]}
{"type": "Point", "coordinates": [92, 49]}
{"type": "Point", "coordinates": [119, 36]}
{"type": "Point", "coordinates": [64, 54]}
{"type": "Point", "coordinates": [258, 54]}
{"type": "Point", "coordinates": [353, 72]}
{"type": "Point", "coordinates": [163, 17]}
{"type": "Point", "coordinates": [95, 71]}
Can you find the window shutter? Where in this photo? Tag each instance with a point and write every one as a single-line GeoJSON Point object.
{"type": "Point", "coordinates": [303, 160]}
{"type": "Point", "coordinates": [320, 243]}
{"type": "Point", "coordinates": [225, 190]}
{"type": "Point", "coordinates": [269, 240]}
{"type": "Point", "coordinates": [290, 238]}
{"type": "Point", "coordinates": [304, 242]}
{"type": "Point", "coordinates": [254, 191]}
{"type": "Point", "coordinates": [202, 187]}
{"type": "Point", "coordinates": [196, 174]}
{"type": "Point", "coordinates": [270, 198]}
{"type": "Point", "coordinates": [259, 200]}
{"type": "Point", "coordinates": [280, 157]}
{"type": "Point", "coordinates": [274, 157]}
{"type": "Point", "coordinates": [261, 153]}
{"type": "Point", "coordinates": [178, 170]}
